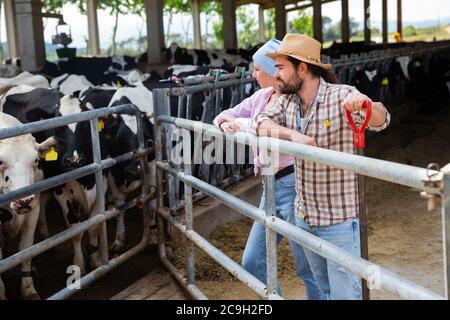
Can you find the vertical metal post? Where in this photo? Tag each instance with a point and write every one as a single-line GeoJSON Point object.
{"type": "Point", "coordinates": [100, 196]}
{"type": "Point", "coordinates": [367, 32]}
{"type": "Point", "coordinates": [190, 252]}
{"type": "Point", "coordinates": [271, 236]}
{"type": "Point", "coordinates": [446, 228]}
{"type": "Point", "coordinates": [158, 102]}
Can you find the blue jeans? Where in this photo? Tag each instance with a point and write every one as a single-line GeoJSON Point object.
{"type": "Point", "coordinates": [336, 282]}
{"type": "Point", "coordinates": [254, 257]}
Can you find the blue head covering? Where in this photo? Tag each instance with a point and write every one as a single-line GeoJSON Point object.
{"type": "Point", "coordinates": [260, 58]}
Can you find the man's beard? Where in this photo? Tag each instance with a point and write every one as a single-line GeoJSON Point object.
{"type": "Point", "coordinates": [292, 86]}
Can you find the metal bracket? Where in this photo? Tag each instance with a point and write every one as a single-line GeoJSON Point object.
{"type": "Point", "coordinates": [433, 173]}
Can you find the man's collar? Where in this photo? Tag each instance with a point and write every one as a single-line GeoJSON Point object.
{"type": "Point", "coordinates": [322, 90]}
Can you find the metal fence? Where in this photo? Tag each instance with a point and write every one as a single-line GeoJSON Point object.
{"type": "Point", "coordinates": [96, 168]}
{"type": "Point", "coordinates": [203, 98]}
{"type": "Point", "coordinates": [434, 183]}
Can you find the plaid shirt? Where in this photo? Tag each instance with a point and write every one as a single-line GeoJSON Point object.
{"type": "Point", "coordinates": [325, 195]}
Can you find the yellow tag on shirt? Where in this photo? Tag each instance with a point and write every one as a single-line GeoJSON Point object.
{"type": "Point", "coordinates": [51, 155]}
{"type": "Point", "coordinates": [303, 216]}
{"type": "Point", "coordinates": [385, 81]}
{"type": "Point", "coordinates": [417, 64]}
{"type": "Point", "coordinates": [101, 125]}
{"type": "Point", "coordinates": [118, 84]}
{"type": "Point", "coordinates": [326, 123]}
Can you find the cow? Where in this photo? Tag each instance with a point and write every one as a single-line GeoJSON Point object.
{"type": "Point", "coordinates": [34, 104]}
{"type": "Point", "coordinates": [213, 58]}
{"type": "Point", "coordinates": [18, 170]}
{"type": "Point", "coordinates": [37, 81]}
{"type": "Point", "coordinates": [70, 84]}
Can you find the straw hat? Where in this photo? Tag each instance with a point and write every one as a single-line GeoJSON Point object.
{"type": "Point", "coordinates": [302, 48]}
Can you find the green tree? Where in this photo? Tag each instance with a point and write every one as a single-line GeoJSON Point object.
{"type": "Point", "coordinates": [213, 14]}
{"type": "Point", "coordinates": [409, 31]}
{"type": "Point", "coordinates": [173, 7]}
{"type": "Point", "coordinates": [247, 27]}
{"type": "Point", "coordinates": [269, 23]}
{"type": "Point", "coordinates": [303, 24]}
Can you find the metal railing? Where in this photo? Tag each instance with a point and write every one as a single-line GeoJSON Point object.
{"type": "Point", "coordinates": [437, 185]}
{"type": "Point", "coordinates": [220, 92]}
{"type": "Point", "coordinates": [103, 215]}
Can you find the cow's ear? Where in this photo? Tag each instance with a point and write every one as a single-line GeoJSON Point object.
{"type": "Point", "coordinates": [46, 146]}
{"type": "Point", "coordinates": [37, 114]}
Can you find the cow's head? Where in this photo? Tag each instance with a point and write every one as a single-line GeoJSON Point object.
{"type": "Point", "coordinates": [20, 164]}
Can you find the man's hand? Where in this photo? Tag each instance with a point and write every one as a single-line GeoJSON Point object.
{"type": "Point", "coordinates": [355, 101]}
{"type": "Point", "coordinates": [303, 139]}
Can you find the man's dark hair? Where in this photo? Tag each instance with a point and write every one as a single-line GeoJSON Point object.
{"type": "Point", "coordinates": [316, 71]}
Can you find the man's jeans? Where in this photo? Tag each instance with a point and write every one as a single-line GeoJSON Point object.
{"type": "Point", "coordinates": [254, 258]}
{"type": "Point", "coordinates": [336, 282]}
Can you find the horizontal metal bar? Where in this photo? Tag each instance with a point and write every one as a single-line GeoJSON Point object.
{"type": "Point", "coordinates": [406, 175]}
{"type": "Point", "coordinates": [234, 268]}
{"type": "Point", "coordinates": [363, 268]}
{"type": "Point", "coordinates": [61, 237]}
{"type": "Point", "coordinates": [178, 91]}
{"type": "Point", "coordinates": [63, 178]}
{"type": "Point", "coordinates": [33, 127]}
{"type": "Point", "coordinates": [89, 278]}
{"type": "Point", "coordinates": [202, 79]}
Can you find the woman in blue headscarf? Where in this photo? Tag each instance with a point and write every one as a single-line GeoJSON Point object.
{"type": "Point", "coordinates": [239, 118]}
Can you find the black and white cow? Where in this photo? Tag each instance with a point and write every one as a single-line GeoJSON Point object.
{"type": "Point", "coordinates": [213, 58]}
{"type": "Point", "coordinates": [20, 167]}
{"type": "Point", "coordinates": [25, 78]}
{"type": "Point", "coordinates": [76, 198]}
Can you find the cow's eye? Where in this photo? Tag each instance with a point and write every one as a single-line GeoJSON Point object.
{"type": "Point", "coordinates": [6, 179]}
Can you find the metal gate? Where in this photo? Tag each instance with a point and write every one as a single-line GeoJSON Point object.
{"type": "Point", "coordinates": [433, 183]}
{"type": "Point", "coordinates": [94, 168]}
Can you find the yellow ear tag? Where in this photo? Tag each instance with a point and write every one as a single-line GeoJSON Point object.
{"type": "Point", "coordinates": [118, 84]}
{"type": "Point", "coordinates": [326, 123]}
{"type": "Point", "coordinates": [51, 155]}
{"type": "Point", "coordinates": [101, 125]}
{"type": "Point", "coordinates": [385, 81]}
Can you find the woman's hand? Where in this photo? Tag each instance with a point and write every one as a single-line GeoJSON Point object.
{"type": "Point", "coordinates": [230, 126]}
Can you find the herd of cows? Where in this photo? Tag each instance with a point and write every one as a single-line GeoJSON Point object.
{"type": "Point", "coordinates": [81, 84]}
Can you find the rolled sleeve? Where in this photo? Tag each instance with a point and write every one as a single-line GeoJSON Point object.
{"type": "Point", "coordinates": [275, 113]}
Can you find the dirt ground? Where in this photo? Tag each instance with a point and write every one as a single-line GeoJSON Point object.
{"type": "Point", "coordinates": [403, 236]}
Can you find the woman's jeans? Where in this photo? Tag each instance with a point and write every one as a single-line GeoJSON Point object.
{"type": "Point", "coordinates": [254, 258]}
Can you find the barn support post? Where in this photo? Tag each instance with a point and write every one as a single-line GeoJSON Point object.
{"type": "Point", "coordinates": [345, 24]}
{"type": "Point", "coordinates": [367, 33]}
{"type": "Point", "coordinates": [196, 24]}
{"type": "Point", "coordinates": [317, 20]}
{"type": "Point", "coordinates": [155, 31]}
{"type": "Point", "coordinates": [11, 29]}
{"type": "Point", "coordinates": [31, 31]}
{"type": "Point", "coordinates": [229, 24]}
{"type": "Point", "coordinates": [280, 19]}
{"type": "Point", "coordinates": [446, 228]}
{"type": "Point", "coordinates": [261, 26]}
{"type": "Point", "coordinates": [399, 18]}
{"type": "Point", "coordinates": [385, 21]}
{"type": "Point", "coordinates": [94, 42]}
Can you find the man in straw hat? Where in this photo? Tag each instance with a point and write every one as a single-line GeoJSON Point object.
{"type": "Point", "coordinates": [311, 111]}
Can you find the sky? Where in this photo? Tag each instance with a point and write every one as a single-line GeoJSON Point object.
{"type": "Point", "coordinates": [132, 26]}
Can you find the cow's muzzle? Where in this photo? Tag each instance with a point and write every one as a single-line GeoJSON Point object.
{"type": "Point", "coordinates": [24, 205]}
